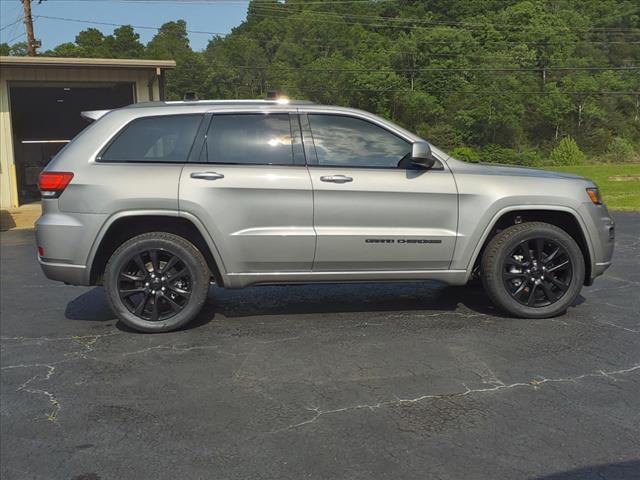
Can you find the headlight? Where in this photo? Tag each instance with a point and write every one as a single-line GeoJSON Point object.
{"type": "Point", "coordinates": [594, 195]}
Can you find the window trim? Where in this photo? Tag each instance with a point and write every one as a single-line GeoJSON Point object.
{"type": "Point", "coordinates": [315, 162]}
{"type": "Point", "coordinates": [297, 154]}
{"type": "Point", "coordinates": [98, 158]}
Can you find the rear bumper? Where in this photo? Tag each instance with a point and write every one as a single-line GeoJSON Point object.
{"type": "Point", "coordinates": [65, 240]}
{"type": "Point", "coordinates": [63, 272]}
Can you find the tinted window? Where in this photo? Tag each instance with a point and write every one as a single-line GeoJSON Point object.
{"type": "Point", "coordinates": [351, 142]}
{"type": "Point", "coordinates": [155, 139]}
{"type": "Point", "coordinates": [250, 138]}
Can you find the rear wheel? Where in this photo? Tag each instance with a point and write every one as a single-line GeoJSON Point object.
{"type": "Point", "coordinates": [533, 270]}
{"type": "Point", "coordinates": [156, 282]}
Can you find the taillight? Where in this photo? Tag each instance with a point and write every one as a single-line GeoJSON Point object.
{"type": "Point", "coordinates": [52, 184]}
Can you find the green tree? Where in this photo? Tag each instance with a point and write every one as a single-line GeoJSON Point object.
{"type": "Point", "coordinates": [124, 43]}
{"type": "Point", "coordinates": [566, 153]}
{"type": "Point", "coordinates": [171, 42]}
{"type": "Point", "coordinates": [90, 43]}
{"type": "Point", "coordinates": [68, 49]}
{"type": "Point", "coordinates": [18, 49]}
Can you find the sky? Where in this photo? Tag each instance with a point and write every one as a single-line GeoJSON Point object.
{"type": "Point", "coordinates": [218, 16]}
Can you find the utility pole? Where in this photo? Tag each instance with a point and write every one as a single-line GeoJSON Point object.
{"type": "Point", "coordinates": [32, 43]}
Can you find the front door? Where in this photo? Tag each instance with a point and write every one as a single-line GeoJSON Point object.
{"type": "Point", "coordinates": [372, 209]}
{"type": "Point", "coordinates": [251, 189]}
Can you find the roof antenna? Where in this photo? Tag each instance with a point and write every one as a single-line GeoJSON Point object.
{"type": "Point", "coordinates": [190, 97]}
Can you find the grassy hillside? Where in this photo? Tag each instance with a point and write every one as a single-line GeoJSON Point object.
{"type": "Point", "coordinates": [619, 183]}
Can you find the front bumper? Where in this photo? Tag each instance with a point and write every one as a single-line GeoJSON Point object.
{"type": "Point", "coordinates": [602, 233]}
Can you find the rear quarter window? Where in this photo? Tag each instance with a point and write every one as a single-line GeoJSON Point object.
{"type": "Point", "coordinates": [154, 139]}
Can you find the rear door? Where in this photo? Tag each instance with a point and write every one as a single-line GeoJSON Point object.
{"type": "Point", "coordinates": [250, 187]}
{"type": "Point", "coordinates": [372, 209]}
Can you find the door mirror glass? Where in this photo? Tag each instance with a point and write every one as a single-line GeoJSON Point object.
{"type": "Point", "coordinates": [421, 155]}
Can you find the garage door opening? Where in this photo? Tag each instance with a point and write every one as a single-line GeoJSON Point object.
{"type": "Point", "coordinates": [45, 119]}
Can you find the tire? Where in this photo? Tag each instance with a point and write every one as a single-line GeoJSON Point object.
{"type": "Point", "coordinates": [165, 274]}
{"type": "Point", "coordinates": [540, 283]}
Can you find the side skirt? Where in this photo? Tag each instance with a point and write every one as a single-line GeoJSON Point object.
{"type": "Point", "coordinates": [240, 280]}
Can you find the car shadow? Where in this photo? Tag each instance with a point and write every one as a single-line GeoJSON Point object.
{"type": "Point", "coordinates": [428, 296]}
{"type": "Point", "coordinates": [348, 298]}
{"type": "Point", "coordinates": [92, 306]}
{"type": "Point", "coordinates": [612, 471]}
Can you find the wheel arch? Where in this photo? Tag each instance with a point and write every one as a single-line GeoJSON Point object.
{"type": "Point", "coordinates": [565, 218]}
{"type": "Point", "coordinates": [125, 225]}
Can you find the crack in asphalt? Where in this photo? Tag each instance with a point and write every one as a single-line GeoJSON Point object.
{"type": "Point", "coordinates": [52, 416]}
{"type": "Point", "coordinates": [175, 348]}
{"type": "Point", "coordinates": [611, 324]}
{"type": "Point", "coordinates": [534, 384]}
{"type": "Point", "coordinates": [88, 344]}
{"type": "Point", "coordinates": [86, 341]}
{"type": "Point", "coordinates": [77, 338]}
{"type": "Point", "coordinates": [436, 314]}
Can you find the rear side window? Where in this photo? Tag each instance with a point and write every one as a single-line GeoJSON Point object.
{"type": "Point", "coordinates": [351, 142]}
{"type": "Point", "coordinates": [154, 139]}
{"type": "Point", "coordinates": [258, 139]}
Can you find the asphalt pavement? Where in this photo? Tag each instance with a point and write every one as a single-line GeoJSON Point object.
{"type": "Point", "coordinates": [378, 381]}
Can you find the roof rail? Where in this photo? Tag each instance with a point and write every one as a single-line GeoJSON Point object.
{"type": "Point", "coordinates": [279, 101]}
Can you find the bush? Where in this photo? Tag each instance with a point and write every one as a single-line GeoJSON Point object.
{"type": "Point", "coordinates": [442, 135]}
{"type": "Point", "coordinates": [466, 154]}
{"type": "Point", "coordinates": [566, 153]}
{"type": "Point", "coordinates": [509, 156]}
{"type": "Point", "coordinates": [621, 150]}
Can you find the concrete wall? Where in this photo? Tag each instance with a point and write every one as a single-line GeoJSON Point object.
{"type": "Point", "coordinates": [10, 74]}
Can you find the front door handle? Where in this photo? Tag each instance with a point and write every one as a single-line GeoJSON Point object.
{"type": "Point", "coordinates": [336, 179]}
{"type": "Point", "coordinates": [207, 175]}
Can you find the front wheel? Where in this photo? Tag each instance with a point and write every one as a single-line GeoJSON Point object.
{"type": "Point", "coordinates": [533, 270]}
{"type": "Point", "coordinates": [156, 282]}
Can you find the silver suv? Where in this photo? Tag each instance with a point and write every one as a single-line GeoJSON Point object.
{"type": "Point", "coordinates": [155, 201]}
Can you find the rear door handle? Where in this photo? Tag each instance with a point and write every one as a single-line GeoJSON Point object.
{"type": "Point", "coordinates": [336, 179]}
{"type": "Point", "coordinates": [207, 175]}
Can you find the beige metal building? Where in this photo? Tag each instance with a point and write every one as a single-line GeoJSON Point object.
{"type": "Point", "coordinates": [40, 103]}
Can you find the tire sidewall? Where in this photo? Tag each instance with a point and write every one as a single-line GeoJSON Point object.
{"type": "Point", "coordinates": [178, 246]}
{"type": "Point", "coordinates": [498, 292]}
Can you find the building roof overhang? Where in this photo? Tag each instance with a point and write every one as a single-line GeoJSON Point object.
{"type": "Point", "coordinates": [64, 62]}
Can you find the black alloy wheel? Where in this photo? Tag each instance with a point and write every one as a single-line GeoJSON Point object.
{"type": "Point", "coordinates": [537, 272]}
{"type": "Point", "coordinates": [533, 270]}
{"type": "Point", "coordinates": [155, 284]}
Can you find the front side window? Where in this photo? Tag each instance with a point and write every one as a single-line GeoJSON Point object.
{"type": "Point", "coordinates": [351, 142]}
{"type": "Point", "coordinates": [259, 139]}
{"type": "Point", "coordinates": [154, 139]}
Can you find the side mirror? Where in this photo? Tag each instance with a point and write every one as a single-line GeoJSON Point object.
{"type": "Point", "coordinates": [421, 155]}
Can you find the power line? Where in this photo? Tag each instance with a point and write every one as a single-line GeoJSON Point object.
{"type": "Point", "coordinates": [466, 92]}
{"type": "Point", "coordinates": [273, 9]}
{"type": "Point", "coordinates": [16, 37]}
{"type": "Point", "coordinates": [142, 27]}
{"type": "Point", "coordinates": [494, 69]}
{"type": "Point", "coordinates": [221, 34]}
{"type": "Point", "coordinates": [10, 24]}
{"type": "Point", "coordinates": [270, 7]}
{"type": "Point", "coordinates": [430, 69]}
{"type": "Point", "coordinates": [12, 35]}
{"type": "Point", "coordinates": [242, 2]}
